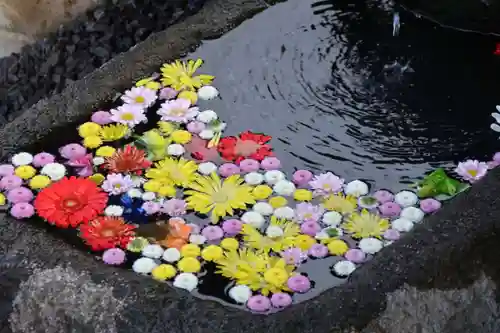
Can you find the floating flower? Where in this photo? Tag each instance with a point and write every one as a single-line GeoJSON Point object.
{"type": "Point", "coordinates": [413, 214]}
{"type": "Point", "coordinates": [229, 169]}
{"type": "Point", "coordinates": [174, 207]}
{"type": "Point", "coordinates": [20, 194]}
{"type": "Point", "coordinates": [168, 93]}
{"type": "Point", "coordinates": [114, 256]}
{"type": "Point", "coordinates": [274, 176]}
{"type": "Point", "coordinates": [326, 184]}
{"type": "Point", "coordinates": [368, 202]}
{"type": "Point", "coordinates": [106, 232]}
{"type": "Point", "coordinates": [179, 75]}
{"type": "Point", "coordinates": [263, 208]}
{"type": "Point", "coordinates": [302, 177]}
{"type": "Point", "coordinates": [10, 182]}
{"type": "Point", "coordinates": [307, 212]}
{"type": "Point", "coordinates": [332, 219]}
{"type": "Point", "coordinates": [113, 210]}
{"type": "Point", "coordinates": [282, 241]}
{"type": "Point", "coordinates": [284, 213]}
{"type": "Point", "coordinates": [383, 196]}
{"type": "Point", "coordinates": [101, 117]}
{"type": "Point", "coordinates": [299, 283]}
{"type": "Point", "coordinates": [55, 171]}
{"type": "Point", "coordinates": [341, 203]}
{"type": "Point", "coordinates": [430, 205]}
{"type": "Point", "coordinates": [6, 170]}
{"type": "Point", "coordinates": [240, 293]}
{"type": "Point", "coordinates": [402, 224]}
{"type": "Point", "coordinates": [365, 224]}
{"type": "Point", "coordinates": [356, 256]}
{"type": "Point", "coordinates": [254, 219]}
{"type": "Point", "coordinates": [356, 188]}
{"type": "Point", "coordinates": [72, 151]}
{"type": "Point", "coordinates": [284, 187]}
{"type": "Point", "coordinates": [270, 163]}
{"type": "Point", "coordinates": [294, 256]}
{"type": "Point", "coordinates": [70, 201]}
{"type": "Point", "coordinates": [22, 210]}
{"type": "Point", "coordinates": [114, 132]}
{"type": "Point", "coordinates": [249, 165]}
{"type": "Point", "coordinates": [406, 198]}
{"type": "Point", "coordinates": [171, 255]}
{"type": "Point", "coordinates": [129, 115]}
{"type": "Point", "coordinates": [472, 170]}
{"type": "Point", "coordinates": [163, 272]}
{"type": "Point", "coordinates": [370, 245]}
{"type": "Point", "coordinates": [246, 145]}
{"type": "Point", "coordinates": [128, 159]}
{"type": "Point", "coordinates": [116, 183]}
{"type": "Point", "coordinates": [83, 165]}
{"type": "Point", "coordinates": [318, 251]}
{"type": "Point", "coordinates": [144, 265]}
{"type": "Point", "coordinates": [187, 281]}
{"type": "Point", "coordinates": [89, 129]}
{"type": "Point", "coordinates": [259, 303]}
{"type": "Point", "coordinates": [210, 194]}
{"type": "Point", "coordinates": [344, 268]}
{"type": "Point", "coordinates": [389, 209]}
{"type": "Point", "coordinates": [140, 96]}
{"type": "Point", "coordinates": [178, 110]}
{"type": "Point", "coordinates": [208, 92]}
{"type": "Point", "coordinates": [22, 159]}
{"type": "Point", "coordinates": [179, 172]}
{"type": "Point", "coordinates": [232, 227]}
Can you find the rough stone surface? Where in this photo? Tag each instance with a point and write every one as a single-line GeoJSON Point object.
{"type": "Point", "coordinates": [75, 50]}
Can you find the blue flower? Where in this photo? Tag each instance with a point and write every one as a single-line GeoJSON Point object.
{"type": "Point", "coordinates": [132, 210]}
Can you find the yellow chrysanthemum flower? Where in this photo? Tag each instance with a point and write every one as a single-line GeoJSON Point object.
{"type": "Point", "coordinates": [221, 198]}
{"type": "Point", "coordinates": [341, 203]}
{"type": "Point", "coordinates": [241, 265]}
{"type": "Point", "coordinates": [169, 171]}
{"type": "Point", "coordinates": [167, 127]}
{"type": "Point", "coordinates": [365, 224]}
{"type": "Point", "coordinates": [261, 243]}
{"type": "Point", "coordinates": [113, 132]}
{"type": "Point", "coordinates": [179, 75]}
{"type": "Point", "coordinates": [148, 83]}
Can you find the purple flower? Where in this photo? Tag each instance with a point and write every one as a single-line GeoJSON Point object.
{"type": "Point", "coordinates": [83, 164]}
{"type": "Point", "coordinates": [294, 256]}
{"type": "Point", "coordinates": [429, 205]}
{"type": "Point", "coordinates": [174, 207]}
{"type": "Point", "coordinates": [10, 182]}
{"type": "Point", "coordinates": [116, 183]}
{"type": "Point", "coordinates": [307, 212]}
{"type": "Point", "coordinates": [270, 163]}
{"type": "Point", "coordinates": [302, 177]}
{"type": "Point", "coordinates": [383, 196]}
{"type": "Point", "coordinates": [249, 165]}
{"type": "Point", "coordinates": [299, 283]}
{"type": "Point", "coordinates": [20, 194]}
{"type": "Point", "coordinates": [22, 210]}
{"type": "Point", "coordinates": [212, 232]}
{"type": "Point", "coordinates": [6, 170]}
{"type": "Point", "coordinates": [259, 303]}
{"type": "Point", "coordinates": [310, 228]}
{"type": "Point", "coordinates": [101, 117]}
{"type": "Point", "coordinates": [392, 234]}
{"type": "Point", "coordinates": [355, 255]}
{"type": "Point", "coordinates": [472, 170]}
{"type": "Point", "coordinates": [326, 183]}
{"type": "Point", "coordinates": [232, 227]}
{"type": "Point", "coordinates": [41, 159]}
{"type": "Point", "coordinates": [168, 93]}
{"type": "Point", "coordinates": [151, 207]}
{"type": "Point", "coordinates": [229, 169]}
{"type": "Point", "coordinates": [129, 114]}
{"type": "Point", "coordinates": [389, 209]}
{"type": "Point", "coordinates": [114, 256]}
{"type": "Point", "coordinates": [281, 300]}
{"type": "Point", "coordinates": [72, 151]}
{"type": "Point", "coordinates": [196, 127]}
{"type": "Point", "coordinates": [178, 110]}
{"type": "Point", "coordinates": [318, 251]}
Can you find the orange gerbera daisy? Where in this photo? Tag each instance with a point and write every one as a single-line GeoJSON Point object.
{"type": "Point", "coordinates": [70, 201]}
{"type": "Point", "coordinates": [106, 232]}
{"type": "Point", "coordinates": [128, 159]}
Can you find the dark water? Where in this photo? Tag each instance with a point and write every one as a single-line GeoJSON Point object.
{"type": "Point", "coordinates": [309, 73]}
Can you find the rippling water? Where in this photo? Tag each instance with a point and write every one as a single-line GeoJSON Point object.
{"type": "Point", "coordinates": [310, 74]}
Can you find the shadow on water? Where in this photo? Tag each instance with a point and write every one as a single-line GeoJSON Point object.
{"type": "Point", "coordinates": [312, 75]}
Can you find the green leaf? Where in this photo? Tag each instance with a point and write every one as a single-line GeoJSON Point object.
{"type": "Point", "coordinates": [439, 184]}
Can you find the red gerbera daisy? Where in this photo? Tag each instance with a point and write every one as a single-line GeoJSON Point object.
{"type": "Point", "coordinates": [246, 145]}
{"type": "Point", "coordinates": [106, 232]}
{"type": "Point", "coordinates": [70, 201]}
{"type": "Point", "coordinates": [128, 159]}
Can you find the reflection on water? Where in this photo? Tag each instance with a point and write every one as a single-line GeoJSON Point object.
{"type": "Point", "coordinates": [312, 75]}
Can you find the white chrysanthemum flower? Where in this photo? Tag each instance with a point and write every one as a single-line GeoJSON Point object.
{"type": "Point", "coordinates": [207, 168]}
{"type": "Point", "coordinates": [240, 293]}
{"type": "Point", "coordinates": [134, 193]}
{"type": "Point", "coordinates": [274, 231]}
{"type": "Point", "coordinates": [344, 267]}
{"type": "Point", "coordinates": [148, 196]}
{"type": "Point", "coordinates": [284, 187]}
{"type": "Point", "coordinates": [254, 178]}
{"type": "Point", "coordinates": [138, 181]}
{"type": "Point", "coordinates": [197, 239]}
{"type": "Point", "coordinates": [370, 245]}
{"type": "Point", "coordinates": [98, 160]}
{"type": "Point", "coordinates": [284, 213]}
{"type": "Point", "coordinates": [332, 219]}
{"type": "Point", "coordinates": [22, 159]}
{"type": "Point", "coordinates": [356, 188]}
{"type": "Point", "coordinates": [144, 265]}
{"type": "Point", "coordinates": [171, 255]}
{"type": "Point", "coordinates": [207, 116]}
{"type": "Point", "coordinates": [402, 224]}
{"type": "Point", "coordinates": [154, 251]}
{"type": "Point", "coordinates": [254, 219]}
{"type": "Point", "coordinates": [206, 134]}
{"type": "Point", "coordinates": [187, 281]}
{"type": "Point", "coordinates": [413, 214]}
{"type": "Point", "coordinates": [54, 171]}
{"type": "Point", "coordinates": [406, 198]}
{"type": "Point", "coordinates": [273, 176]}
{"type": "Point", "coordinates": [175, 150]}
{"type": "Point", "coordinates": [207, 93]}
{"type": "Point", "coordinates": [263, 208]}
{"type": "Point", "coordinates": [113, 210]}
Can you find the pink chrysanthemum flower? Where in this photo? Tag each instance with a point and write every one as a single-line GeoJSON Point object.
{"type": "Point", "coordinates": [128, 114]}
{"type": "Point", "coordinates": [326, 183]}
{"type": "Point", "coordinates": [307, 212]}
{"type": "Point", "coordinates": [140, 96]}
{"type": "Point", "coordinates": [472, 170]}
{"type": "Point", "coordinates": [177, 110]}
{"type": "Point", "coordinates": [116, 183]}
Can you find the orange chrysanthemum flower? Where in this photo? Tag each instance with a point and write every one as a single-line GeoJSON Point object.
{"type": "Point", "coordinates": [70, 202]}
{"type": "Point", "coordinates": [128, 159]}
{"type": "Point", "coordinates": [106, 232]}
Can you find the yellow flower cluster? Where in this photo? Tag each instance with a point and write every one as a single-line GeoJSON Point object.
{"type": "Point", "coordinates": [94, 134]}
{"type": "Point", "coordinates": [169, 173]}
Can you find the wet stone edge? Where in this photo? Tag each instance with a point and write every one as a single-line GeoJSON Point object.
{"type": "Point", "coordinates": [433, 248]}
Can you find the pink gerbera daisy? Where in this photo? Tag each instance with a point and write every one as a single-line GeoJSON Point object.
{"type": "Point", "coordinates": [472, 170]}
